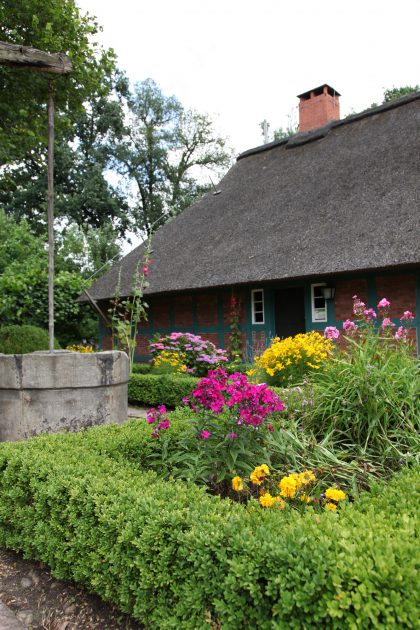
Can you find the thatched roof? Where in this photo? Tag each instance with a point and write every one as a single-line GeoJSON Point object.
{"type": "Point", "coordinates": [345, 197]}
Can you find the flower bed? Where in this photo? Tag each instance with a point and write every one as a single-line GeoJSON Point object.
{"type": "Point", "coordinates": [173, 557]}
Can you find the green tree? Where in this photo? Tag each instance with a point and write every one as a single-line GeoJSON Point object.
{"type": "Point", "coordinates": [394, 93]}
{"type": "Point", "coordinates": [165, 155]}
{"type": "Point", "coordinates": [54, 27]}
{"type": "Point", "coordinates": [24, 283]}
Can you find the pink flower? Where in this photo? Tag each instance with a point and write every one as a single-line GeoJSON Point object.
{"type": "Point", "coordinates": [401, 334]}
{"type": "Point", "coordinates": [163, 424]}
{"type": "Point", "coordinates": [384, 303]}
{"type": "Point", "coordinates": [349, 325]}
{"type": "Point", "coordinates": [205, 435]}
{"type": "Point", "coordinates": [331, 332]}
{"type": "Point", "coordinates": [270, 427]}
{"type": "Point", "coordinates": [232, 436]}
{"type": "Point", "coordinates": [369, 314]}
{"type": "Point", "coordinates": [146, 270]}
{"type": "Point", "coordinates": [387, 322]}
{"type": "Point", "coordinates": [358, 306]}
{"type": "Point", "coordinates": [407, 316]}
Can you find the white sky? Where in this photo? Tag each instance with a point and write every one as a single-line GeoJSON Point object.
{"type": "Point", "coordinates": [242, 61]}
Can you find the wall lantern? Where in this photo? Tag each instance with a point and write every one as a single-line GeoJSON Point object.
{"type": "Point", "coordinates": [328, 293]}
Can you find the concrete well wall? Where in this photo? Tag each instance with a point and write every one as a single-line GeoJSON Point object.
{"type": "Point", "coordinates": [61, 391]}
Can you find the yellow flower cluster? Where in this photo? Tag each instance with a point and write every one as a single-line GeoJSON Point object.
{"type": "Point", "coordinates": [334, 495]}
{"type": "Point", "coordinates": [258, 474]}
{"type": "Point", "coordinates": [237, 484]}
{"type": "Point", "coordinates": [78, 347]}
{"type": "Point", "coordinates": [170, 359]}
{"type": "Point", "coordinates": [266, 500]}
{"type": "Point", "coordinates": [290, 485]}
{"type": "Point", "coordinates": [306, 350]}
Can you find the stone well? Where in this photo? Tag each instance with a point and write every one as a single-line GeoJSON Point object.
{"type": "Point", "coordinates": [61, 391]}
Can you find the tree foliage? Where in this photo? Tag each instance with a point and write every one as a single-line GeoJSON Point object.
{"type": "Point", "coordinates": [163, 154]}
{"type": "Point", "coordinates": [24, 281]}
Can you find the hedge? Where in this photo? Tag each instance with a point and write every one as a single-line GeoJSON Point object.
{"type": "Point", "coordinates": [173, 557]}
{"type": "Point", "coordinates": [160, 389]}
{"type": "Point", "coordinates": [15, 339]}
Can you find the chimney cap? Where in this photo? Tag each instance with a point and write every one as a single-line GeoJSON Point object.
{"type": "Point", "coordinates": [318, 91]}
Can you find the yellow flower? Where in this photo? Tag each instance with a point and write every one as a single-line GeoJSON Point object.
{"type": "Point", "coordinates": [331, 506]}
{"type": "Point", "coordinates": [333, 494]}
{"type": "Point", "coordinates": [258, 474]}
{"type": "Point", "coordinates": [304, 498]}
{"type": "Point", "coordinates": [306, 477]}
{"type": "Point", "coordinates": [288, 486]}
{"type": "Point", "coordinates": [237, 484]}
{"type": "Point", "coordinates": [266, 500]}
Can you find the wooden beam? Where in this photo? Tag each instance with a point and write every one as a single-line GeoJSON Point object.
{"type": "Point", "coordinates": [34, 59]}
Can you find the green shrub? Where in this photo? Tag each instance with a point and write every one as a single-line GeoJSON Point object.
{"type": "Point", "coordinates": [141, 368]}
{"type": "Point", "coordinates": [23, 339]}
{"type": "Point", "coordinates": [175, 558]}
{"type": "Point", "coordinates": [159, 389]}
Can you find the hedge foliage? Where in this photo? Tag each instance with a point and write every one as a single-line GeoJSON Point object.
{"type": "Point", "coordinates": [15, 339]}
{"type": "Point", "coordinates": [159, 389]}
{"type": "Point", "coordinates": [174, 557]}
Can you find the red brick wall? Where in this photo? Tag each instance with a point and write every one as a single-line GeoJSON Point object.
{"type": "Point", "coordinates": [160, 310]}
{"type": "Point", "coordinates": [227, 308]}
{"type": "Point", "coordinates": [207, 312]}
{"type": "Point", "coordinates": [142, 344]}
{"type": "Point", "coordinates": [400, 291]}
{"type": "Point", "coordinates": [107, 342]}
{"type": "Point", "coordinates": [344, 291]}
{"type": "Point", "coordinates": [183, 312]}
{"type": "Point", "coordinates": [213, 337]}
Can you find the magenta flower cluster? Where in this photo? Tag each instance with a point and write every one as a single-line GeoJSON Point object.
{"type": "Point", "coordinates": [197, 354]}
{"type": "Point", "coordinates": [157, 417]}
{"type": "Point", "coordinates": [250, 403]}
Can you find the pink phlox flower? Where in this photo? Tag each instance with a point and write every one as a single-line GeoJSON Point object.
{"type": "Point", "coordinates": [164, 424]}
{"type": "Point", "coordinates": [349, 325]}
{"type": "Point", "coordinates": [204, 434]}
{"type": "Point", "coordinates": [401, 333]}
{"type": "Point", "coordinates": [331, 332]}
{"type": "Point", "coordinates": [369, 314]}
{"type": "Point", "coordinates": [384, 303]}
{"type": "Point", "coordinates": [232, 436]}
{"type": "Point", "coordinates": [358, 306]}
{"type": "Point", "coordinates": [407, 316]}
{"type": "Point", "coordinates": [387, 323]}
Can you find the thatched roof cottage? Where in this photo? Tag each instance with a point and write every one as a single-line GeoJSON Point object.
{"type": "Point", "coordinates": [337, 206]}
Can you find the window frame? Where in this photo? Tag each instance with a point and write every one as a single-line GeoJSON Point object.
{"type": "Point", "coordinates": [313, 309]}
{"type": "Point", "coordinates": [253, 303]}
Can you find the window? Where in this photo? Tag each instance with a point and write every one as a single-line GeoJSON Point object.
{"type": "Point", "coordinates": [319, 304]}
{"type": "Point", "coordinates": [257, 306]}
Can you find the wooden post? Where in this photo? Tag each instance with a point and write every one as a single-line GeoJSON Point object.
{"type": "Point", "coordinates": [40, 61]}
{"type": "Point", "coordinates": [51, 216]}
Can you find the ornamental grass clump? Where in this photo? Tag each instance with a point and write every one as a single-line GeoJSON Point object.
{"type": "Point", "coordinates": [369, 392]}
{"type": "Point", "coordinates": [187, 353]}
{"type": "Point", "coordinates": [230, 421]}
{"type": "Point", "coordinates": [288, 361]}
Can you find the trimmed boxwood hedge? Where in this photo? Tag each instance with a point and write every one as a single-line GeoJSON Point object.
{"type": "Point", "coordinates": [159, 389]}
{"type": "Point", "coordinates": [174, 557]}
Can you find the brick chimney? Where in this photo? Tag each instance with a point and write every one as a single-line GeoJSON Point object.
{"type": "Point", "coordinates": [318, 107]}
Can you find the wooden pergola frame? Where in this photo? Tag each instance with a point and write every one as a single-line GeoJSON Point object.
{"type": "Point", "coordinates": [27, 58]}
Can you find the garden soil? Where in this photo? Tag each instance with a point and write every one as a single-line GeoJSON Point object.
{"type": "Point", "coordinates": [40, 602]}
